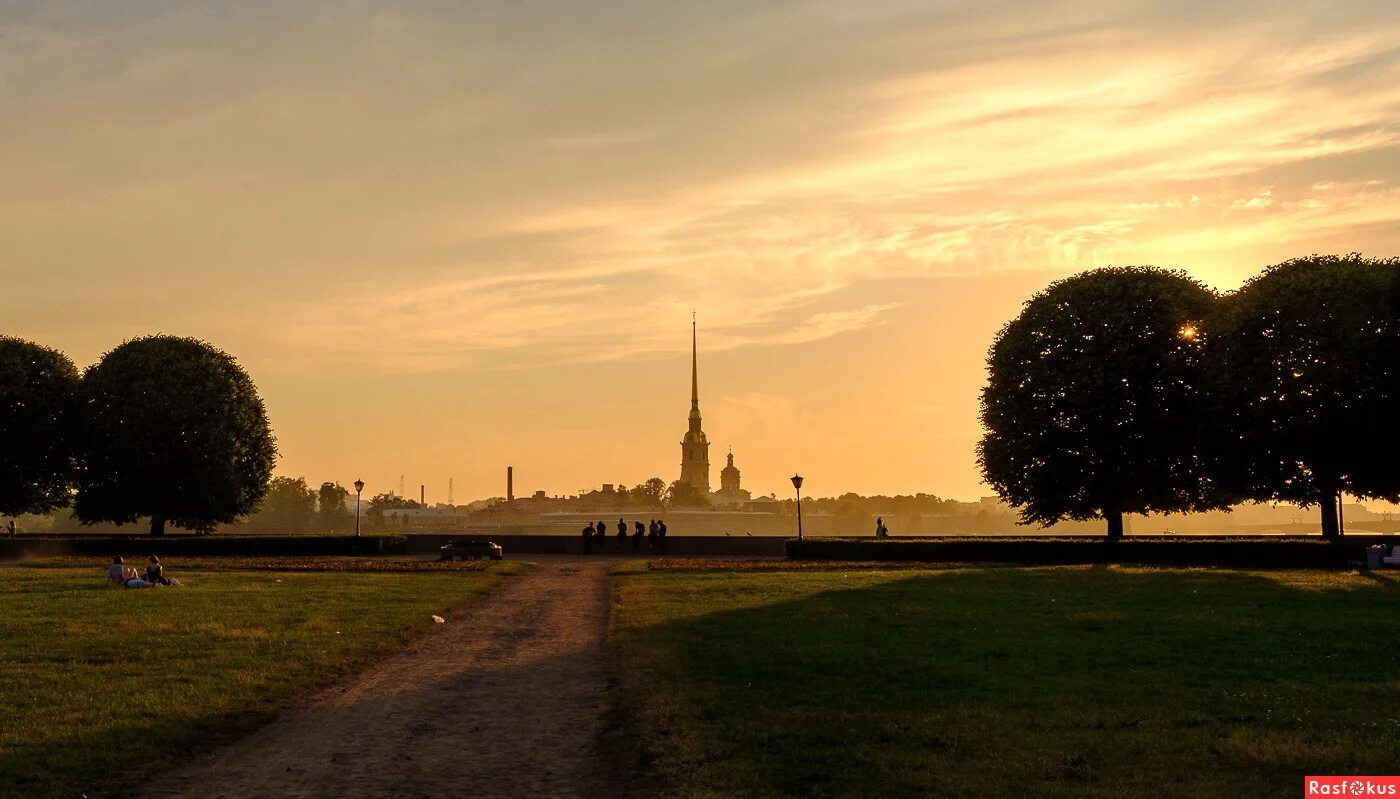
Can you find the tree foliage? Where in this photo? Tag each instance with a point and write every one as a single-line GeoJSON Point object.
{"type": "Point", "coordinates": [173, 429]}
{"type": "Point", "coordinates": [681, 494]}
{"type": "Point", "coordinates": [1306, 388]}
{"type": "Point", "coordinates": [1093, 402]}
{"type": "Point", "coordinates": [38, 396]}
{"type": "Point", "coordinates": [376, 505]}
{"type": "Point", "coordinates": [334, 516]}
{"type": "Point", "coordinates": [289, 507]}
{"type": "Point", "coordinates": [651, 494]}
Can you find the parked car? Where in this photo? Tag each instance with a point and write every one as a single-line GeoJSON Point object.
{"type": "Point", "coordinates": [475, 550]}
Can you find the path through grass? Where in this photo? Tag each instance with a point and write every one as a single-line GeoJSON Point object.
{"type": "Point", "coordinates": [102, 688]}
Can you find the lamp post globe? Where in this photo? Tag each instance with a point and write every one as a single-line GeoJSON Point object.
{"type": "Point", "coordinates": [359, 487]}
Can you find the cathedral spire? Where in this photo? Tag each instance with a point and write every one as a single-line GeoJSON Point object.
{"type": "Point", "coordinates": [695, 448]}
{"type": "Point", "coordinates": [694, 368]}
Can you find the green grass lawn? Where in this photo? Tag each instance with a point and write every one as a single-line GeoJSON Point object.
{"type": "Point", "coordinates": [1064, 682]}
{"type": "Point", "coordinates": [101, 687]}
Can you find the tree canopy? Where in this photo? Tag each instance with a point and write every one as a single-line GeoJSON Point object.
{"type": "Point", "coordinates": [334, 516]}
{"type": "Point", "coordinates": [173, 429]}
{"type": "Point", "coordinates": [1093, 401]}
{"type": "Point", "coordinates": [1306, 384]}
{"type": "Point", "coordinates": [38, 396]}
{"type": "Point", "coordinates": [289, 507]}
{"type": "Point", "coordinates": [652, 493]}
{"type": "Point", "coordinates": [376, 505]}
{"type": "Point", "coordinates": [684, 495]}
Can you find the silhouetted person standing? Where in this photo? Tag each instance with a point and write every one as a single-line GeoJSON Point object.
{"type": "Point", "coordinates": [661, 533]}
{"type": "Point", "coordinates": [637, 538]}
{"type": "Point", "coordinates": [640, 528]}
{"type": "Point", "coordinates": [588, 538]}
{"type": "Point", "coordinates": [651, 536]}
{"type": "Point", "coordinates": [880, 529]}
{"type": "Point", "coordinates": [621, 535]}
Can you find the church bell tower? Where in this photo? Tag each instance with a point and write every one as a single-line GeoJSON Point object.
{"type": "Point", "coordinates": [695, 448]}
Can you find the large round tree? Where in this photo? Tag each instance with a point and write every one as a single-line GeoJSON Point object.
{"type": "Point", "coordinates": [38, 390]}
{"type": "Point", "coordinates": [1305, 364]}
{"type": "Point", "coordinates": [174, 430]}
{"type": "Point", "coordinates": [1092, 406]}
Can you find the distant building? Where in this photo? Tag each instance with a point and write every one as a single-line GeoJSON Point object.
{"type": "Point", "coordinates": [763, 505]}
{"type": "Point", "coordinates": [695, 448]}
{"type": "Point", "coordinates": [729, 492]}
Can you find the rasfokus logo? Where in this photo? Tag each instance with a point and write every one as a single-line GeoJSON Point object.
{"type": "Point", "coordinates": [1351, 786]}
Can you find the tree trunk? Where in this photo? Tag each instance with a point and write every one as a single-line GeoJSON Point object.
{"type": "Point", "coordinates": [157, 525]}
{"type": "Point", "coordinates": [1330, 529]}
{"type": "Point", "coordinates": [1115, 524]}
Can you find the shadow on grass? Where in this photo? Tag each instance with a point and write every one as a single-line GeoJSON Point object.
{"type": "Point", "coordinates": [987, 682]}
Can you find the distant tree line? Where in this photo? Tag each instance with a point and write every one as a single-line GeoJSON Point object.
{"type": "Point", "coordinates": [293, 506]}
{"type": "Point", "coordinates": [855, 507]}
{"type": "Point", "coordinates": [1140, 390]}
{"type": "Point", "coordinates": [656, 493]}
{"type": "Point", "coordinates": [162, 427]}
{"type": "Point", "coordinates": [653, 493]}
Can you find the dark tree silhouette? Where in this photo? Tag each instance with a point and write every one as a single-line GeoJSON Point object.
{"type": "Point", "coordinates": [652, 493]}
{"type": "Point", "coordinates": [334, 516]}
{"type": "Point", "coordinates": [684, 495]}
{"type": "Point", "coordinates": [376, 505]}
{"type": "Point", "coordinates": [38, 396]}
{"type": "Point", "coordinates": [1092, 405]}
{"type": "Point", "coordinates": [172, 429]}
{"type": "Point", "coordinates": [1304, 378]}
{"type": "Point", "coordinates": [289, 507]}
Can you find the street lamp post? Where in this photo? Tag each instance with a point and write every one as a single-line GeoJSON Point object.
{"type": "Point", "coordinates": [1341, 516]}
{"type": "Point", "coordinates": [797, 484]}
{"type": "Point", "coordinates": [359, 486]}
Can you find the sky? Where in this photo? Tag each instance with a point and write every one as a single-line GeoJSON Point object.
{"type": "Point", "coordinates": [445, 237]}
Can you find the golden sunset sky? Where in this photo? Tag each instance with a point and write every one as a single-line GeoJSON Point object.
{"type": "Point", "coordinates": [444, 237]}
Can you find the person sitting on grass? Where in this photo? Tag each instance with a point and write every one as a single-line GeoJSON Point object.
{"type": "Point", "coordinates": [120, 574]}
{"type": "Point", "coordinates": [117, 574]}
{"type": "Point", "coordinates": [155, 573]}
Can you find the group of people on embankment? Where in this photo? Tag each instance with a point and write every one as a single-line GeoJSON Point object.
{"type": "Point", "coordinates": [595, 536]}
{"type": "Point", "coordinates": [119, 574]}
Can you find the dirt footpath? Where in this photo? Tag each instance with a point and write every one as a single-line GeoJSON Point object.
{"type": "Point", "coordinates": [504, 700]}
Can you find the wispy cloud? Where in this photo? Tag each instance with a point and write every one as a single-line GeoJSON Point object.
{"type": "Point", "coordinates": [420, 197]}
